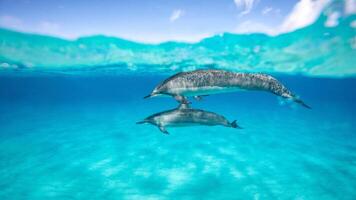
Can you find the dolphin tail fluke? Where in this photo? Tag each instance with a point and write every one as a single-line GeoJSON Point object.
{"type": "Point", "coordinates": [301, 103]}
{"type": "Point", "coordinates": [234, 125]}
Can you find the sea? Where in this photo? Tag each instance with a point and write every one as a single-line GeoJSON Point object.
{"type": "Point", "coordinates": [68, 113]}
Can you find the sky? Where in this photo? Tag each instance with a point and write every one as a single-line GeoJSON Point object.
{"type": "Point", "coordinates": [156, 21]}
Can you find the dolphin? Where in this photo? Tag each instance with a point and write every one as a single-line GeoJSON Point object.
{"type": "Point", "coordinates": [200, 83]}
{"type": "Point", "coordinates": [186, 116]}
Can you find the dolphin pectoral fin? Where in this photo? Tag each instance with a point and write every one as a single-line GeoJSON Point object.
{"type": "Point", "coordinates": [163, 130]}
{"type": "Point", "coordinates": [181, 99]}
{"type": "Point", "coordinates": [234, 125]}
{"type": "Point", "coordinates": [200, 97]}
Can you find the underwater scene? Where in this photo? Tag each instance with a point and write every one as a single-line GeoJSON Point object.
{"type": "Point", "coordinates": [74, 123]}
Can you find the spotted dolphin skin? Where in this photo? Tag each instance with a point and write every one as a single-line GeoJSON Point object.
{"type": "Point", "coordinates": [204, 82]}
{"type": "Point", "coordinates": [185, 116]}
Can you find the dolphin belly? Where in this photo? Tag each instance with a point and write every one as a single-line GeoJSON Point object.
{"type": "Point", "coordinates": [198, 91]}
{"type": "Point", "coordinates": [180, 124]}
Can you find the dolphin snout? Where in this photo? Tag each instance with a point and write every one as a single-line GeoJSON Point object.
{"type": "Point", "coordinates": [148, 96]}
{"type": "Point", "coordinates": [151, 95]}
{"type": "Point", "coordinates": [301, 103]}
{"type": "Point", "coordinates": [142, 122]}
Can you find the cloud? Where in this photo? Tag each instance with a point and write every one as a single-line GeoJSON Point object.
{"type": "Point", "coordinates": [179, 37]}
{"type": "Point", "coordinates": [44, 27]}
{"type": "Point", "coordinates": [304, 13]}
{"type": "Point", "coordinates": [266, 10]}
{"type": "Point", "coordinates": [48, 27]}
{"type": "Point", "coordinates": [176, 14]}
{"type": "Point", "coordinates": [332, 19]}
{"type": "Point", "coordinates": [11, 22]}
{"type": "Point", "coordinates": [350, 7]}
{"type": "Point", "coordinates": [353, 24]}
{"type": "Point", "coordinates": [254, 27]}
{"type": "Point", "coordinates": [245, 5]}
{"type": "Point", "coordinates": [270, 10]}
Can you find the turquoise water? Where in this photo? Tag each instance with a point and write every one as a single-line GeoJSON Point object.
{"type": "Point", "coordinates": [75, 137]}
{"type": "Point", "coordinates": [68, 113]}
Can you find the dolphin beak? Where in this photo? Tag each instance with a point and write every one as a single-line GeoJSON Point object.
{"type": "Point", "coordinates": [302, 103]}
{"type": "Point", "coordinates": [141, 122]}
{"type": "Point", "coordinates": [148, 96]}
{"type": "Point", "coordinates": [151, 95]}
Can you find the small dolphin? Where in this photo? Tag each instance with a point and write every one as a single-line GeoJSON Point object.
{"type": "Point", "coordinates": [185, 116]}
{"type": "Point", "coordinates": [200, 83]}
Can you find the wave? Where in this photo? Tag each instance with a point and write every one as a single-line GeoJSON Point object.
{"type": "Point", "coordinates": [316, 50]}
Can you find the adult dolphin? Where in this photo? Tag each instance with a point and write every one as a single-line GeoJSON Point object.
{"type": "Point", "coordinates": [185, 116]}
{"type": "Point", "coordinates": [204, 82]}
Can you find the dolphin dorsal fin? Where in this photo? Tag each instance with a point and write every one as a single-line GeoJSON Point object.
{"type": "Point", "coordinates": [183, 106]}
